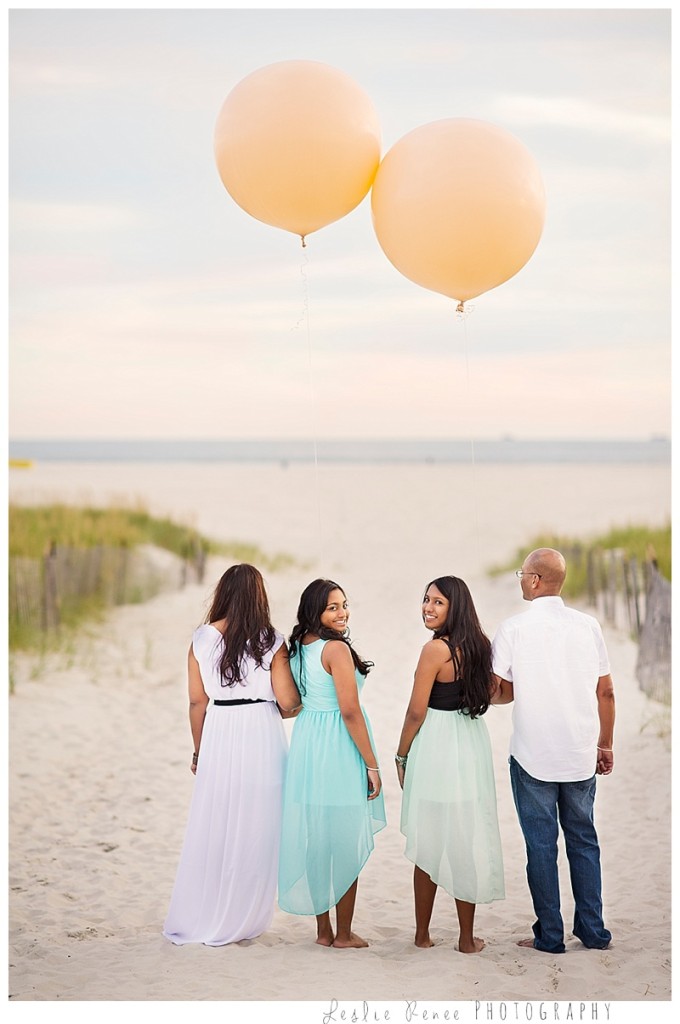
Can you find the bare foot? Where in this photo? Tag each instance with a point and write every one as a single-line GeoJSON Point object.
{"type": "Point", "coordinates": [476, 946]}
{"type": "Point", "coordinates": [423, 942]}
{"type": "Point", "coordinates": [353, 942]}
{"type": "Point", "coordinates": [527, 943]}
{"type": "Point", "coordinates": [325, 938]}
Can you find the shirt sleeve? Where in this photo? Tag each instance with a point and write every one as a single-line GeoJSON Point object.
{"type": "Point", "coordinates": [601, 647]}
{"type": "Point", "coordinates": [206, 645]}
{"type": "Point", "coordinates": [278, 641]}
{"type": "Point", "coordinates": [197, 642]}
{"type": "Point", "coordinates": [501, 653]}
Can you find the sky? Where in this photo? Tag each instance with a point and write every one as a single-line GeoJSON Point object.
{"type": "Point", "coordinates": [144, 302]}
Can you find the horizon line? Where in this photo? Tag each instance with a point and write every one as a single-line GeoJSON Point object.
{"type": "Point", "coordinates": [298, 439]}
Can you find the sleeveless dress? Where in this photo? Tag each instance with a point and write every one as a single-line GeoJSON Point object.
{"type": "Point", "coordinates": [448, 810]}
{"type": "Point", "coordinates": [328, 822]}
{"type": "Point", "coordinates": [226, 881]}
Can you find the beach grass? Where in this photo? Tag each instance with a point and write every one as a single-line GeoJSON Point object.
{"type": "Point", "coordinates": [34, 529]}
{"type": "Point", "coordinates": [644, 543]}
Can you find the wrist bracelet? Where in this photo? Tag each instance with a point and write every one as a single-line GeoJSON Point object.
{"type": "Point", "coordinates": [372, 769]}
{"type": "Point", "coordinates": [607, 750]}
{"type": "Point", "coordinates": [194, 757]}
{"type": "Point", "coordinates": [401, 760]}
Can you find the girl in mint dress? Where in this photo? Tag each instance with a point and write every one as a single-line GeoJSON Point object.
{"type": "Point", "coordinates": [332, 800]}
{"type": "Point", "coordinates": [445, 767]}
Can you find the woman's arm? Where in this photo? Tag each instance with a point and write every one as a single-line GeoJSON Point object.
{"type": "Point", "coordinates": [286, 692]}
{"type": "Point", "coordinates": [502, 691]}
{"type": "Point", "coordinates": [433, 657]}
{"type": "Point", "coordinates": [198, 702]}
{"type": "Point", "coordinates": [337, 660]}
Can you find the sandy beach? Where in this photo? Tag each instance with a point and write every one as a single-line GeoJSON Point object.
{"type": "Point", "coordinates": [100, 747]}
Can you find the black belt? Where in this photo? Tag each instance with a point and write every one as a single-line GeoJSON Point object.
{"type": "Point", "coordinates": [241, 700]}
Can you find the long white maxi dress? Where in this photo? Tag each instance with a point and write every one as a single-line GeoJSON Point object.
{"type": "Point", "coordinates": [226, 880]}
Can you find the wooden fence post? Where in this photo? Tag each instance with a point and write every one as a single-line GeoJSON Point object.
{"type": "Point", "coordinates": [635, 579]}
{"type": "Point", "coordinates": [50, 616]}
{"type": "Point", "coordinates": [591, 578]}
{"type": "Point", "coordinates": [121, 574]}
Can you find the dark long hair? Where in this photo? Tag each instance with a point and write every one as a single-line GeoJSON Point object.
{"type": "Point", "coordinates": [313, 603]}
{"type": "Point", "coordinates": [240, 599]}
{"type": "Point", "coordinates": [469, 645]}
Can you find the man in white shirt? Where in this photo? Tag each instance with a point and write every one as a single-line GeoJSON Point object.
{"type": "Point", "coordinates": [552, 661]}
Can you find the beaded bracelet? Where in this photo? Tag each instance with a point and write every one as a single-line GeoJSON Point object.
{"type": "Point", "coordinates": [401, 760]}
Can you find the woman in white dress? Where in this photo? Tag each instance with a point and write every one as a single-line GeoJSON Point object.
{"type": "Point", "coordinates": [240, 686]}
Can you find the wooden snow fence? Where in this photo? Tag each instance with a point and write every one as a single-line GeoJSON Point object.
{"type": "Point", "coordinates": [631, 594]}
{"type": "Point", "coordinates": [43, 593]}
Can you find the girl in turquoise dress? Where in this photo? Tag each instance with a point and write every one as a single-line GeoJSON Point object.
{"type": "Point", "coordinates": [332, 802]}
{"type": "Point", "coordinates": [448, 810]}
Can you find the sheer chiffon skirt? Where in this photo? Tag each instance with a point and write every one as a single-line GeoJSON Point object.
{"type": "Point", "coordinates": [448, 811]}
{"type": "Point", "coordinates": [225, 886]}
{"type": "Point", "coordinates": [328, 822]}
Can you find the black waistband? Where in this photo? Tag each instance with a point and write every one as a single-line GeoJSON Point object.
{"type": "Point", "coordinates": [241, 700]}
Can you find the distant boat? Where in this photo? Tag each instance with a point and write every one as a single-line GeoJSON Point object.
{"type": "Point", "coordinates": [20, 463]}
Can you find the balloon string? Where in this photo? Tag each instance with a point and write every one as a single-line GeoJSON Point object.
{"type": "Point", "coordinates": [475, 508]}
{"type": "Point", "coordinates": [313, 403]}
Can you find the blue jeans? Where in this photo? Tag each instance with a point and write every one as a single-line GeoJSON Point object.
{"type": "Point", "coordinates": [539, 806]}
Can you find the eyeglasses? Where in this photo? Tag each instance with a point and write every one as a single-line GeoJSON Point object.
{"type": "Point", "coordinates": [523, 572]}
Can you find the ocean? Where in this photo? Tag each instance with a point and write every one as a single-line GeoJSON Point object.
{"type": "Point", "coordinates": [653, 451]}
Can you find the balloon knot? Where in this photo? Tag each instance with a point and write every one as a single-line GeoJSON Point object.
{"type": "Point", "coordinates": [460, 308]}
{"type": "Point", "coordinates": [304, 244]}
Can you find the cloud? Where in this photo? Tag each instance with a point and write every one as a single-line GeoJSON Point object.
{"type": "Point", "coordinates": [35, 74]}
{"type": "Point", "coordinates": [69, 218]}
{"type": "Point", "coordinates": [584, 115]}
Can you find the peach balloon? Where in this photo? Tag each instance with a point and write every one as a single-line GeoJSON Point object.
{"type": "Point", "coordinates": [458, 206]}
{"type": "Point", "coordinates": [297, 145]}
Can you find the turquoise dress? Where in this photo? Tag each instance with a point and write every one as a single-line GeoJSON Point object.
{"type": "Point", "coordinates": [328, 822]}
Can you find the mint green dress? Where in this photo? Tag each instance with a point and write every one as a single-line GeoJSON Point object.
{"type": "Point", "coordinates": [328, 822]}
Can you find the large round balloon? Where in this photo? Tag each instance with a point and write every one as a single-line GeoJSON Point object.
{"type": "Point", "coordinates": [458, 206]}
{"type": "Point", "coordinates": [297, 145]}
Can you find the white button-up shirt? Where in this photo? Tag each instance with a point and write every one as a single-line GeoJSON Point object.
{"type": "Point", "coordinates": [553, 656]}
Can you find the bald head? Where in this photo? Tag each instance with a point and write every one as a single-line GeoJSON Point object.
{"type": "Point", "coordinates": [551, 567]}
